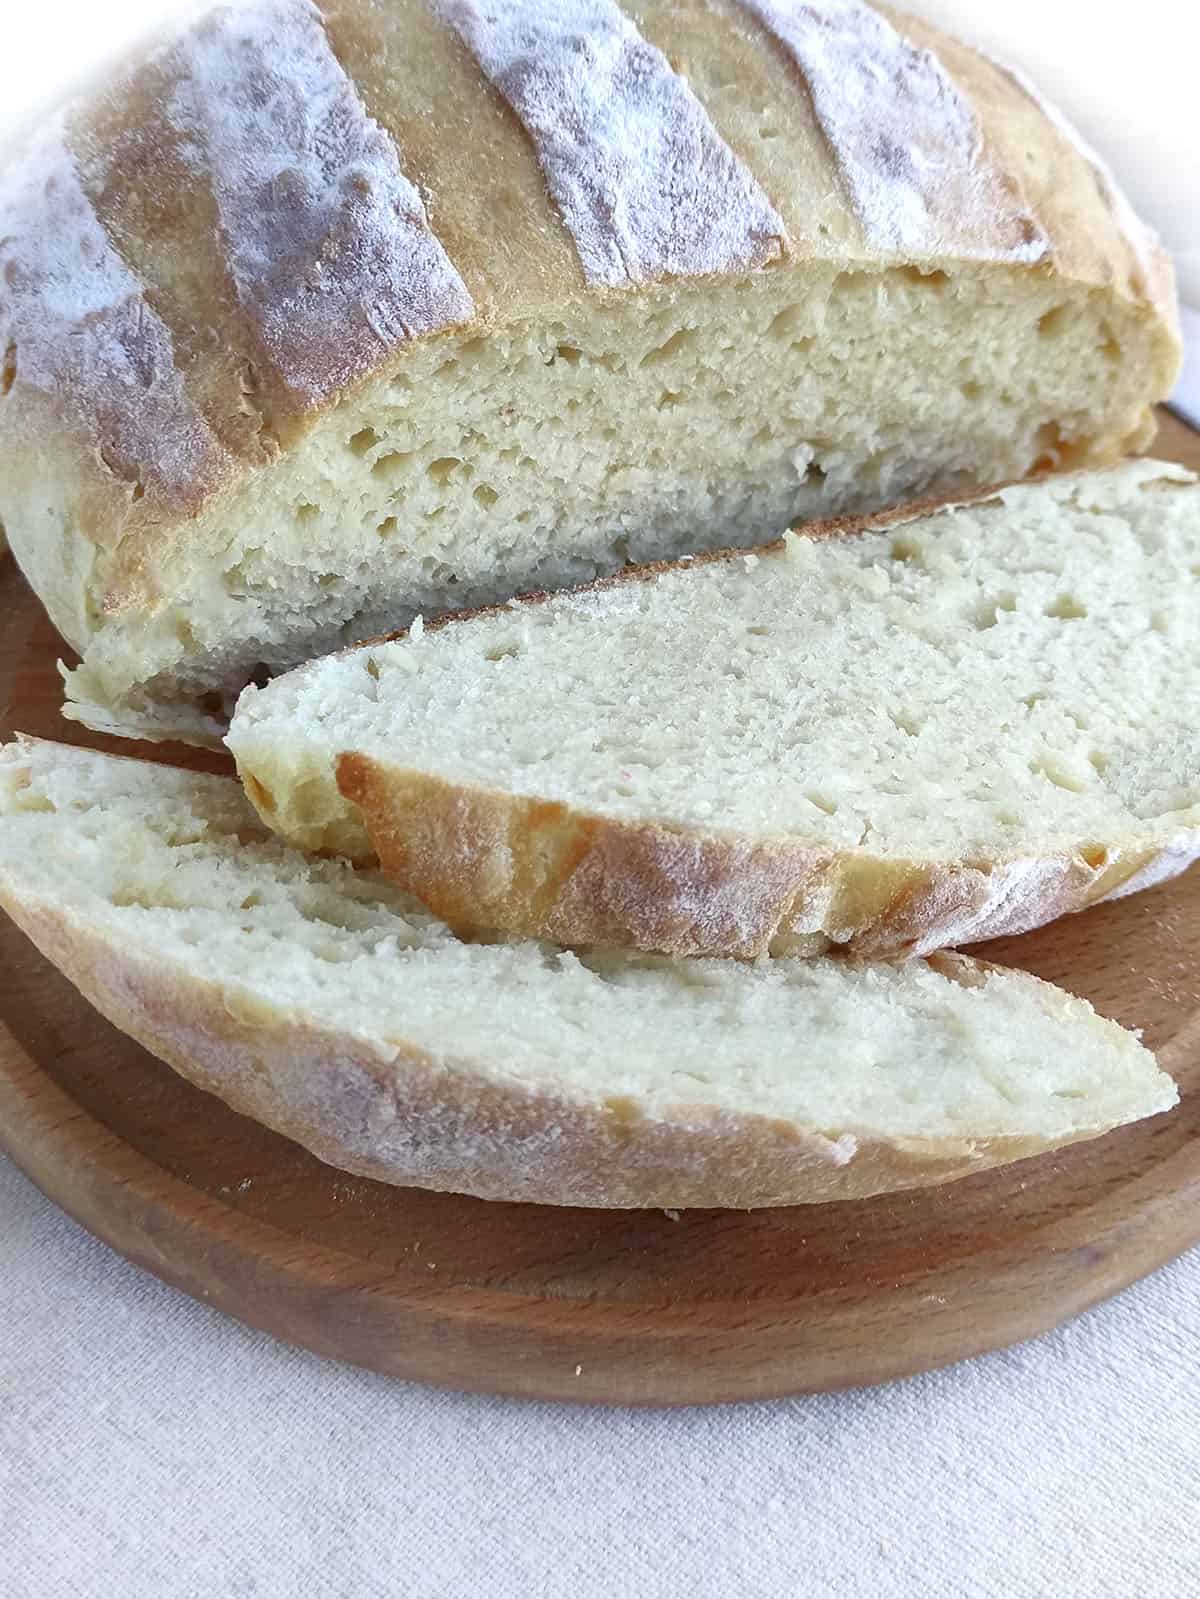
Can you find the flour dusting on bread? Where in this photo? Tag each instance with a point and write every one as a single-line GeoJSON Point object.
{"type": "Point", "coordinates": [908, 144]}
{"type": "Point", "coordinates": [645, 184]}
{"type": "Point", "coordinates": [327, 240]}
{"type": "Point", "coordinates": [75, 325]}
{"type": "Point", "coordinates": [1143, 241]}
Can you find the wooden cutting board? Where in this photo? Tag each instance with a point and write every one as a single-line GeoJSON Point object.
{"type": "Point", "coordinates": [620, 1306]}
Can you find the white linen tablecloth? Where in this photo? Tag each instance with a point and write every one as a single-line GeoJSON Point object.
{"type": "Point", "coordinates": [152, 1449]}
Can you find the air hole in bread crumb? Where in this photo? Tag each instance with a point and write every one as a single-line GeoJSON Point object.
{"type": "Point", "coordinates": [391, 464]}
{"type": "Point", "coordinates": [1096, 857]}
{"type": "Point", "coordinates": [1050, 446]}
{"type": "Point", "coordinates": [1067, 608]}
{"type": "Point", "coordinates": [443, 469]}
{"type": "Point", "coordinates": [1055, 774]}
{"type": "Point", "coordinates": [568, 353]}
{"type": "Point", "coordinates": [260, 794]}
{"type": "Point", "coordinates": [502, 652]}
{"type": "Point", "coordinates": [623, 1115]}
{"type": "Point", "coordinates": [989, 612]}
{"type": "Point", "coordinates": [1053, 323]}
{"type": "Point", "coordinates": [387, 527]}
{"type": "Point", "coordinates": [822, 804]}
{"type": "Point", "coordinates": [1100, 760]}
{"type": "Point", "coordinates": [8, 372]}
{"type": "Point", "coordinates": [936, 279]}
{"type": "Point", "coordinates": [486, 496]}
{"type": "Point", "coordinates": [27, 800]}
{"type": "Point", "coordinates": [759, 631]}
{"type": "Point", "coordinates": [362, 441]}
{"type": "Point", "coordinates": [786, 323]}
{"type": "Point", "coordinates": [675, 345]}
{"type": "Point", "coordinates": [305, 512]}
{"type": "Point", "coordinates": [372, 667]}
{"type": "Point", "coordinates": [905, 548]}
{"type": "Point", "coordinates": [970, 390]}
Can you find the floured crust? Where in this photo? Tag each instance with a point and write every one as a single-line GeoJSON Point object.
{"type": "Point", "coordinates": [645, 185]}
{"type": "Point", "coordinates": [401, 1117]}
{"type": "Point", "coordinates": [911, 149]}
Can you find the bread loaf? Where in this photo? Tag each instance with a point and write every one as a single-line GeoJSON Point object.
{"type": "Point", "coordinates": [899, 735]}
{"type": "Point", "coordinates": [314, 319]}
{"type": "Point", "coordinates": [326, 1004]}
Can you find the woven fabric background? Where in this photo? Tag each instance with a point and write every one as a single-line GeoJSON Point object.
{"type": "Point", "coordinates": [151, 1449]}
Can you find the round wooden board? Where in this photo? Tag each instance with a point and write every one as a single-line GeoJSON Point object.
{"type": "Point", "coordinates": [629, 1307]}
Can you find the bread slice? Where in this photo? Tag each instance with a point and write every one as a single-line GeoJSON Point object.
{"type": "Point", "coordinates": [932, 729]}
{"type": "Point", "coordinates": [444, 316]}
{"type": "Point", "coordinates": [328, 1005]}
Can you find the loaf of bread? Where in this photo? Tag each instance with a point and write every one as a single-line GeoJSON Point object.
{"type": "Point", "coordinates": [314, 318]}
{"type": "Point", "coordinates": [329, 1006]}
{"type": "Point", "coordinates": [925, 730]}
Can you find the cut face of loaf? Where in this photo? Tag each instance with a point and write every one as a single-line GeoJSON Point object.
{"type": "Point", "coordinates": [922, 732]}
{"type": "Point", "coordinates": [334, 1009]}
{"type": "Point", "coordinates": [317, 319]}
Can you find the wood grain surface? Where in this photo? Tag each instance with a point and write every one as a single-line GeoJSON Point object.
{"type": "Point", "coordinates": [624, 1306]}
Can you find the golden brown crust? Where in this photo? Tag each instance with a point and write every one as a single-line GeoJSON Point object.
{"type": "Point", "coordinates": [400, 1117]}
{"type": "Point", "coordinates": [483, 859]}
